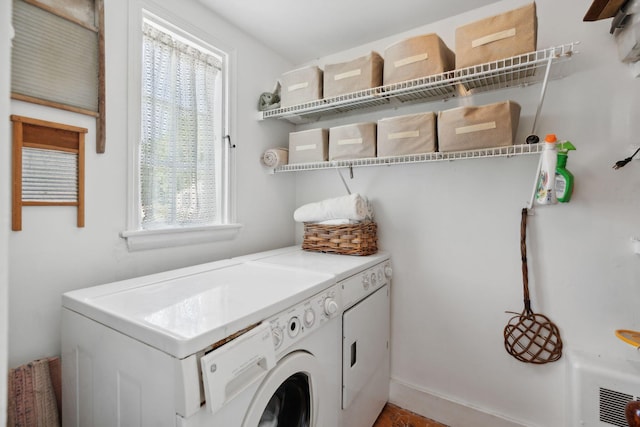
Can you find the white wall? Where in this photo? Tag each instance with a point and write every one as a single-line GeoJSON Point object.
{"type": "Point", "coordinates": [453, 231]}
{"type": "Point", "coordinates": [5, 199]}
{"type": "Point", "coordinates": [50, 255]}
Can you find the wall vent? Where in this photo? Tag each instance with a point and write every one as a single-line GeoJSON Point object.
{"type": "Point", "coordinates": [612, 405]}
{"type": "Point", "coordinates": [599, 389]}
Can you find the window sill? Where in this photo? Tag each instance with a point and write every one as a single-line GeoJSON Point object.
{"type": "Point", "coordinates": [140, 240]}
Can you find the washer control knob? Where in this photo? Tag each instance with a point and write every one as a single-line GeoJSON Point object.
{"type": "Point", "coordinates": [365, 282]}
{"type": "Point", "coordinates": [330, 306]}
{"type": "Point", "coordinates": [293, 328]}
{"type": "Point", "coordinates": [374, 279]}
{"type": "Point", "coordinates": [309, 317]}
{"type": "Point", "coordinates": [388, 271]}
{"type": "Point", "coordinates": [278, 336]}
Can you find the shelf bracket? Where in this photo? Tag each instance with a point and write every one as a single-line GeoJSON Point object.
{"type": "Point", "coordinates": [542, 93]}
{"type": "Point", "coordinates": [535, 187]}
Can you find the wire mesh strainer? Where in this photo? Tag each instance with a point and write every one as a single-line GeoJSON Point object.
{"type": "Point", "coordinates": [531, 337]}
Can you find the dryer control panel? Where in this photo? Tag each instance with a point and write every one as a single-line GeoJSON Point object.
{"type": "Point", "coordinates": [358, 286]}
{"type": "Point", "coordinates": [302, 319]}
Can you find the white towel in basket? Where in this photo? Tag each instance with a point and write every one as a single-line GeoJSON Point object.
{"type": "Point", "coordinates": [351, 207]}
{"type": "Point", "coordinates": [275, 157]}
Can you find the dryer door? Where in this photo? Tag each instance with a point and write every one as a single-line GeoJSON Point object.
{"type": "Point", "coordinates": [289, 394]}
{"type": "Point", "coordinates": [365, 345]}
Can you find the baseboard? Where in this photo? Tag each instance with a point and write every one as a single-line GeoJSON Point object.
{"type": "Point", "coordinates": [443, 410]}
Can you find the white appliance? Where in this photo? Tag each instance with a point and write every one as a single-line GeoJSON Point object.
{"type": "Point", "coordinates": [365, 345]}
{"type": "Point", "coordinates": [364, 282]}
{"type": "Point", "coordinates": [153, 351]}
{"type": "Point", "coordinates": [599, 389]}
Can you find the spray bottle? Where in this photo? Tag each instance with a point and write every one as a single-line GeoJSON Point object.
{"type": "Point", "coordinates": [564, 178]}
{"type": "Point", "coordinates": [545, 188]}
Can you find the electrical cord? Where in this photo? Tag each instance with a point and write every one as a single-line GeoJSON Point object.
{"type": "Point", "coordinates": [622, 163]}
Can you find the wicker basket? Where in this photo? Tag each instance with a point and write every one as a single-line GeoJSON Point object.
{"type": "Point", "coordinates": [345, 239]}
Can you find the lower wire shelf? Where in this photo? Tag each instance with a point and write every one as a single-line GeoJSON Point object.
{"type": "Point", "coordinates": [508, 151]}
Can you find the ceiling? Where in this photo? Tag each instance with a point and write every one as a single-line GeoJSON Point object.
{"type": "Point", "coordinates": [303, 30]}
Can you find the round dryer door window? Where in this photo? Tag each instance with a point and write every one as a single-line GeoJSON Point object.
{"type": "Point", "coordinates": [289, 394]}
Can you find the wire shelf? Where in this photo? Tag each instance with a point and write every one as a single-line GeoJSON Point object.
{"type": "Point", "coordinates": [518, 70]}
{"type": "Point", "coordinates": [335, 105]}
{"type": "Point", "coordinates": [508, 151]}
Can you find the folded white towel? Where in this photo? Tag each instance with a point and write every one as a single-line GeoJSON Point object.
{"type": "Point", "coordinates": [353, 207]}
{"type": "Point", "coordinates": [275, 157]}
{"type": "Point", "coordinates": [338, 222]}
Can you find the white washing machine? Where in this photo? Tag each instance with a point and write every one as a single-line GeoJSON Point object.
{"type": "Point", "coordinates": [365, 286]}
{"type": "Point", "coordinates": [162, 350]}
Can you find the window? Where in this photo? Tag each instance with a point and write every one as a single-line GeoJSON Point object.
{"type": "Point", "coordinates": [182, 159]}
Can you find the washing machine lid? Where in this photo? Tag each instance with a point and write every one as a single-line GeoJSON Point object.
{"type": "Point", "coordinates": [185, 311]}
{"type": "Point", "coordinates": [341, 266]}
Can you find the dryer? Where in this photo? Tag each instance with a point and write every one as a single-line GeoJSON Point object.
{"type": "Point", "coordinates": [233, 344]}
{"type": "Point", "coordinates": [365, 344]}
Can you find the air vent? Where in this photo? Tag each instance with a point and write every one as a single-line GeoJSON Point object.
{"type": "Point", "coordinates": [612, 405]}
{"type": "Point", "coordinates": [600, 389]}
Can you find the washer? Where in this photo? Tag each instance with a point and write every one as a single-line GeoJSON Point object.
{"type": "Point", "coordinates": [365, 286]}
{"type": "Point", "coordinates": [235, 343]}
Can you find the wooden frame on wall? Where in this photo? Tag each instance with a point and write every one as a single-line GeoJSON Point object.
{"type": "Point", "coordinates": [88, 14]}
{"type": "Point", "coordinates": [50, 139]}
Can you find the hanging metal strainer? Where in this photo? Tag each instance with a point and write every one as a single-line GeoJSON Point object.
{"type": "Point", "coordinates": [531, 337]}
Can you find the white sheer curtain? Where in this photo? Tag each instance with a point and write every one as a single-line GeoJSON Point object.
{"type": "Point", "coordinates": [177, 151]}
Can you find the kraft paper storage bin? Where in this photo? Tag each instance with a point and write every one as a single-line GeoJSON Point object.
{"type": "Point", "coordinates": [359, 74]}
{"type": "Point", "coordinates": [410, 134]}
{"type": "Point", "coordinates": [416, 57]}
{"type": "Point", "coordinates": [309, 146]}
{"type": "Point", "coordinates": [353, 141]}
{"type": "Point", "coordinates": [300, 86]}
{"type": "Point", "coordinates": [471, 128]}
{"type": "Point", "coordinates": [497, 37]}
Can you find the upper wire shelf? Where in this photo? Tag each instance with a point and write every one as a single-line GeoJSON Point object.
{"type": "Point", "coordinates": [520, 70]}
{"type": "Point", "coordinates": [507, 151]}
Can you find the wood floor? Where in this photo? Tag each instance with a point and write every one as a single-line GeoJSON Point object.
{"type": "Point", "coordinates": [394, 416]}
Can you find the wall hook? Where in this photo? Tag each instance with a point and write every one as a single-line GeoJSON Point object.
{"type": "Point", "coordinates": [228, 138]}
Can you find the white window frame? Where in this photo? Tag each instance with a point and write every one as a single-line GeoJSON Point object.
{"type": "Point", "coordinates": [136, 237]}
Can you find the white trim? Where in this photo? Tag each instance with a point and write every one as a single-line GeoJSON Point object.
{"type": "Point", "coordinates": [443, 409]}
{"type": "Point", "coordinates": [228, 229]}
{"type": "Point", "coordinates": [138, 240]}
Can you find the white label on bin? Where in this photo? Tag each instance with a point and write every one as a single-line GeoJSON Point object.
{"type": "Point", "coordinates": [298, 86]}
{"type": "Point", "coordinates": [475, 128]}
{"type": "Point", "coordinates": [306, 147]}
{"type": "Point", "coordinates": [410, 60]}
{"type": "Point", "coordinates": [407, 134]}
{"type": "Point", "coordinates": [347, 74]}
{"type": "Point", "coordinates": [500, 35]}
{"type": "Point", "coordinates": [351, 141]}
